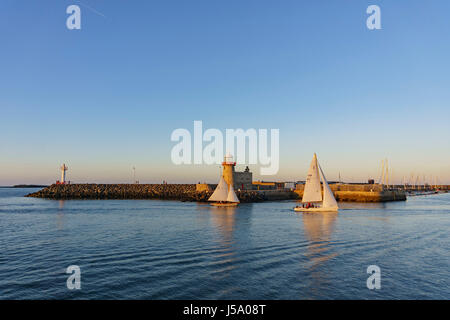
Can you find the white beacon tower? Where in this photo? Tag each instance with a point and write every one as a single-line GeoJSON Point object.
{"type": "Point", "coordinates": [64, 168]}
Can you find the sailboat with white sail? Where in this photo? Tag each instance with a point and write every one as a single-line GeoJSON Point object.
{"type": "Point", "coordinates": [312, 200]}
{"type": "Point", "coordinates": [224, 195]}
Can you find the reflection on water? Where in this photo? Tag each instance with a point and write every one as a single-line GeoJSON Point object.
{"type": "Point", "coordinates": [223, 218]}
{"type": "Point", "coordinates": [318, 230]}
{"type": "Point", "coordinates": [319, 225]}
{"type": "Point", "coordinates": [60, 215]}
{"type": "Point", "coordinates": [362, 205]}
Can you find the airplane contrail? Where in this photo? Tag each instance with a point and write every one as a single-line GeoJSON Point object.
{"type": "Point", "coordinates": [92, 9]}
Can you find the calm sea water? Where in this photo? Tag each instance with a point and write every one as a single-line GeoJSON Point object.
{"type": "Point", "coordinates": [149, 249]}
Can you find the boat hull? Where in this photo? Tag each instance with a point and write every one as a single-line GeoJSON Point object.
{"type": "Point", "coordinates": [300, 209]}
{"type": "Point", "coordinates": [230, 204]}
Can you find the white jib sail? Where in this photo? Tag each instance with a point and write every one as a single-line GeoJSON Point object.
{"type": "Point", "coordinates": [232, 197]}
{"type": "Point", "coordinates": [221, 192]}
{"type": "Point", "coordinates": [329, 201]}
{"type": "Point", "coordinates": [312, 191]}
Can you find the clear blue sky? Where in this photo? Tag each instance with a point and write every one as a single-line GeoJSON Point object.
{"type": "Point", "coordinates": [107, 97]}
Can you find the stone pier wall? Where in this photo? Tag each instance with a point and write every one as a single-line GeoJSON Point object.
{"type": "Point", "coordinates": [365, 196]}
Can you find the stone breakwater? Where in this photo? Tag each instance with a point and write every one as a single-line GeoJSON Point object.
{"type": "Point", "coordinates": [192, 192]}
{"type": "Point", "coordinates": [181, 192]}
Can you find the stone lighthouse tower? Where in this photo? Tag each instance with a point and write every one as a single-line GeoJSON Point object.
{"type": "Point", "coordinates": [228, 169]}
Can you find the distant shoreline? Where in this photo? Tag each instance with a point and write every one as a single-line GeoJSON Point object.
{"type": "Point", "coordinates": [26, 186]}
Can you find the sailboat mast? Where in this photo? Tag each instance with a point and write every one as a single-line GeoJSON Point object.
{"type": "Point", "coordinates": [382, 173]}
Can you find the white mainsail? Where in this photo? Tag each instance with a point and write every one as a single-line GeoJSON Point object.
{"type": "Point", "coordinates": [329, 201]}
{"type": "Point", "coordinates": [221, 192]}
{"type": "Point", "coordinates": [312, 191]}
{"type": "Point", "coordinates": [232, 197]}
